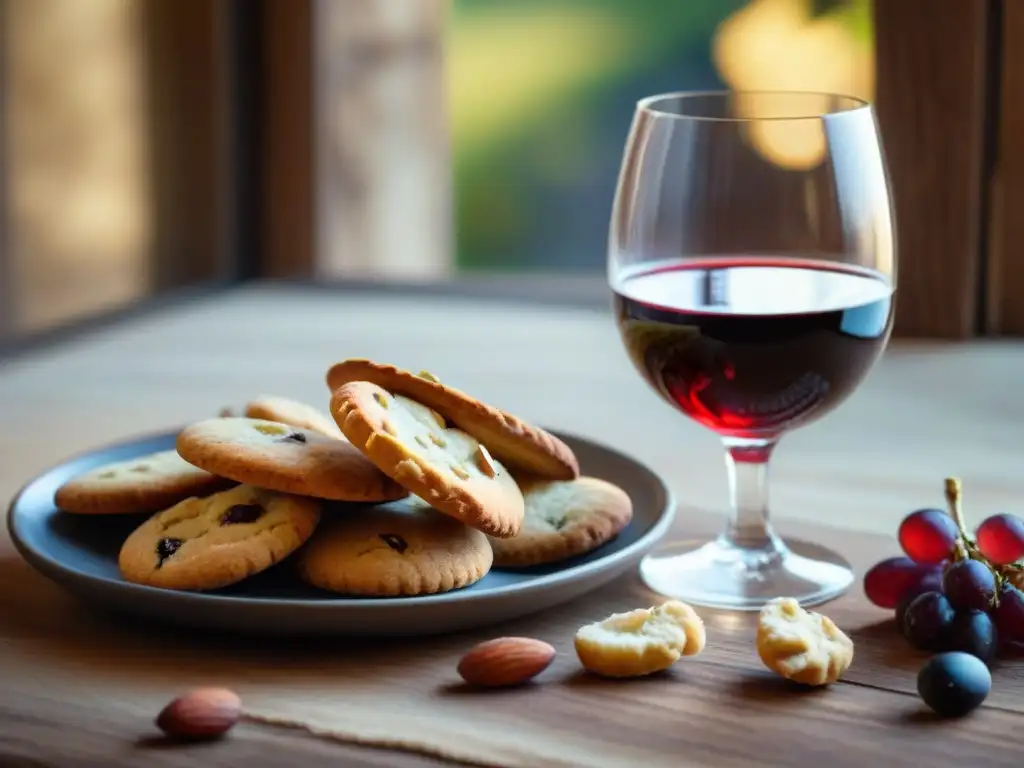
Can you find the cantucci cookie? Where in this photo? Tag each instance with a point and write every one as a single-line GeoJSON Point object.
{"type": "Point", "coordinates": [444, 466]}
{"type": "Point", "coordinates": [292, 412]}
{"type": "Point", "coordinates": [640, 642]}
{"type": "Point", "coordinates": [144, 484]}
{"type": "Point", "coordinates": [514, 442]}
{"type": "Point", "coordinates": [202, 544]}
{"type": "Point", "coordinates": [286, 459]}
{"type": "Point", "coordinates": [802, 645]}
{"type": "Point", "coordinates": [401, 548]}
{"type": "Point", "coordinates": [564, 518]}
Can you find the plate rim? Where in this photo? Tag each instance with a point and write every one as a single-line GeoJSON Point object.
{"type": "Point", "coordinates": [66, 576]}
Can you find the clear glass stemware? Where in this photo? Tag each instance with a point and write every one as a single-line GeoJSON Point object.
{"type": "Point", "coordinates": [751, 255]}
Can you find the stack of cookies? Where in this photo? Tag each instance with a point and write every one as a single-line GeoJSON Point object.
{"type": "Point", "coordinates": [407, 487]}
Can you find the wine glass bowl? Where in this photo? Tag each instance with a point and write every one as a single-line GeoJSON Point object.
{"type": "Point", "coordinates": [752, 264]}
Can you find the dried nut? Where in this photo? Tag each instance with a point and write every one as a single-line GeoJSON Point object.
{"type": "Point", "coordinates": [429, 376]}
{"type": "Point", "coordinates": [268, 428]}
{"type": "Point", "coordinates": [505, 661]}
{"type": "Point", "coordinates": [641, 642]}
{"type": "Point", "coordinates": [204, 713]}
{"type": "Point", "coordinates": [485, 462]}
{"type": "Point", "coordinates": [801, 645]}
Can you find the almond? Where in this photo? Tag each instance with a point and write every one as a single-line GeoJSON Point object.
{"type": "Point", "coordinates": [485, 462]}
{"type": "Point", "coordinates": [505, 661]}
{"type": "Point", "coordinates": [204, 713]}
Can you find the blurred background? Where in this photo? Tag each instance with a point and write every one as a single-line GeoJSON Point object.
{"type": "Point", "coordinates": [152, 145]}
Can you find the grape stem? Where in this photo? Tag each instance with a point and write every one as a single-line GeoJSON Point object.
{"type": "Point", "coordinates": [954, 493]}
{"type": "Point", "coordinates": [966, 548]}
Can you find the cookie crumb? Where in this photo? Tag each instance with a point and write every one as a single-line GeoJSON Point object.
{"type": "Point", "coordinates": [802, 645]}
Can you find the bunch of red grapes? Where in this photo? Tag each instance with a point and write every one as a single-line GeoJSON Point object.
{"type": "Point", "coordinates": [954, 592]}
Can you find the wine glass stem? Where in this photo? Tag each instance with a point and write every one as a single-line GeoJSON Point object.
{"type": "Point", "coordinates": [747, 464]}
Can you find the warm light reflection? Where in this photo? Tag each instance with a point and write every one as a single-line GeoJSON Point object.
{"type": "Point", "coordinates": [80, 214]}
{"type": "Point", "coordinates": [776, 45]}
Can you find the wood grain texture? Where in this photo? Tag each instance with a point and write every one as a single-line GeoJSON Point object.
{"type": "Point", "coordinates": [82, 688]}
{"type": "Point", "coordinates": [1006, 260]}
{"type": "Point", "coordinates": [930, 97]}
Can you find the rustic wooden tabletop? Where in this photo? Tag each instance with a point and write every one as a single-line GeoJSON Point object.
{"type": "Point", "coordinates": [81, 688]}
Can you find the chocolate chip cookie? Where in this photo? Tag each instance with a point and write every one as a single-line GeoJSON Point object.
{"type": "Point", "coordinates": [401, 548]}
{"type": "Point", "coordinates": [203, 544]}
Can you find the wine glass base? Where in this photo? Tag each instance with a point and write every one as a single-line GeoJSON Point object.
{"type": "Point", "coordinates": [716, 574]}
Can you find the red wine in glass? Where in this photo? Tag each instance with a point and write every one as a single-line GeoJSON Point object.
{"type": "Point", "coordinates": [752, 347]}
{"type": "Point", "coordinates": [752, 254]}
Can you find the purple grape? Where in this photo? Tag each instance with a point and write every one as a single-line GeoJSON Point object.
{"type": "Point", "coordinates": [927, 622]}
{"type": "Point", "coordinates": [1009, 615]}
{"type": "Point", "coordinates": [973, 632]}
{"type": "Point", "coordinates": [954, 683]}
{"type": "Point", "coordinates": [928, 535]}
{"type": "Point", "coordinates": [1001, 539]}
{"type": "Point", "coordinates": [887, 581]}
{"type": "Point", "coordinates": [970, 584]}
{"type": "Point", "coordinates": [930, 580]}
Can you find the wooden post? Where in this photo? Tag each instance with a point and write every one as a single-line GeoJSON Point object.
{"type": "Point", "coordinates": [288, 175]}
{"type": "Point", "coordinates": [186, 98]}
{"type": "Point", "coordinates": [8, 294]}
{"type": "Point", "coordinates": [931, 97]}
{"type": "Point", "coordinates": [1005, 314]}
{"type": "Point", "coordinates": [383, 194]}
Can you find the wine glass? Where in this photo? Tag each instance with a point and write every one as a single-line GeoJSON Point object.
{"type": "Point", "coordinates": [753, 268]}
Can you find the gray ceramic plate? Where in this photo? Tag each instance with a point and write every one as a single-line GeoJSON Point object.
{"type": "Point", "coordinates": [81, 554]}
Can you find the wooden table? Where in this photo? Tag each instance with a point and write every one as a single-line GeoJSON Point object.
{"type": "Point", "coordinates": [82, 689]}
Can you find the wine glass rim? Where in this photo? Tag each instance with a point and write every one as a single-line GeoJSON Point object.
{"type": "Point", "coordinates": [649, 104]}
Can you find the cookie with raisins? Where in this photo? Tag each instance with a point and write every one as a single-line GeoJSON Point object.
{"type": "Point", "coordinates": [285, 458]}
{"type": "Point", "coordinates": [208, 543]}
{"type": "Point", "coordinates": [144, 484]}
{"type": "Point", "coordinates": [402, 548]}
{"type": "Point", "coordinates": [564, 519]}
{"type": "Point", "coordinates": [284, 410]}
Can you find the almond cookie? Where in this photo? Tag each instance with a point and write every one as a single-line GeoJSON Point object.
{"type": "Point", "coordinates": [292, 412]}
{"type": "Point", "coordinates": [144, 484]}
{"type": "Point", "coordinates": [444, 466]}
{"type": "Point", "coordinates": [641, 642]}
{"type": "Point", "coordinates": [401, 548]}
{"type": "Point", "coordinates": [202, 544]}
{"type": "Point", "coordinates": [286, 459]}
{"type": "Point", "coordinates": [802, 645]}
{"type": "Point", "coordinates": [515, 443]}
{"type": "Point", "coordinates": [564, 518]}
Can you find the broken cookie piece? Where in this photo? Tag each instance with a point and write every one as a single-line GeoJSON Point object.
{"type": "Point", "coordinates": [641, 642]}
{"type": "Point", "coordinates": [801, 645]}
